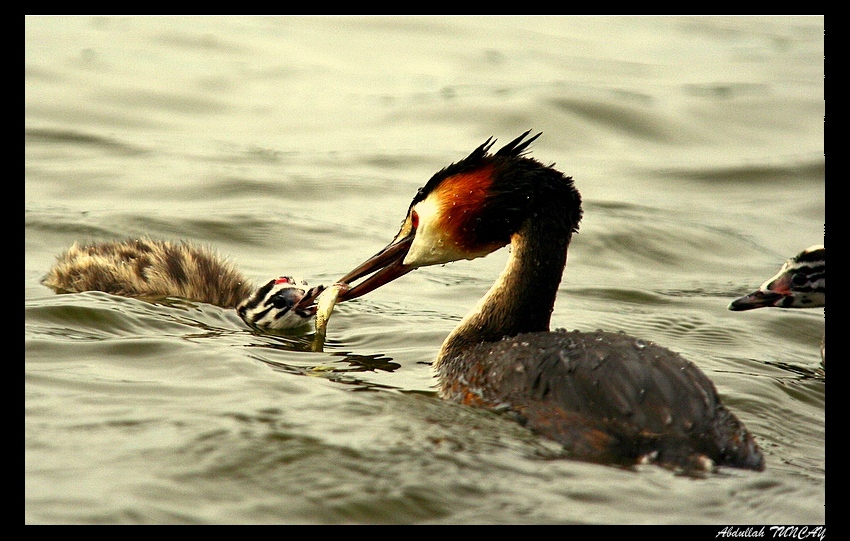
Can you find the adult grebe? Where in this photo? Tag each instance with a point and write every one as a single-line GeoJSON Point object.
{"type": "Point", "coordinates": [155, 269]}
{"type": "Point", "coordinates": [800, 283]}
{"type": "Point", "coordinates": [606, 397]}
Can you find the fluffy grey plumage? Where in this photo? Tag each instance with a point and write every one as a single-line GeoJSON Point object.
{"type": "Point", "coordinates": [155, 269]}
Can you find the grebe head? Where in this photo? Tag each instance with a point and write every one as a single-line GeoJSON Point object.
{"type": "Point", "coordinates": [800, 283]}
{"type": "Point", "coordinates": [470, 209]}
{"type": "Point", "coordinates": [276, 305]}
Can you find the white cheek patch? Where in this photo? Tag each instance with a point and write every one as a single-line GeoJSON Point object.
{"type": "Point", "coordinates": [432, 245]}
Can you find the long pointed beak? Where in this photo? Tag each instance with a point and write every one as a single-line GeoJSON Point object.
{"type": "Point", "coordinates": [756, 299]}
{"type": "Point", "coordinates": [771, 293]}
{"type": "Point", "coordinates": [384, 267]}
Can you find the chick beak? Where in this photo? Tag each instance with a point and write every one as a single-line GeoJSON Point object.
{"type": "Point", "coordinates": [756, 299]}
{"type": "Point", "coordinates": [306, 306]}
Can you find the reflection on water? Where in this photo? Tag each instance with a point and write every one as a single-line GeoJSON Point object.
{"type": "Point", "coordinates": [294, 145]}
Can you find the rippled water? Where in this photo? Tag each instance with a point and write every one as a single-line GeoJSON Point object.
{"type": "Point", "coordinates": [294, 145]}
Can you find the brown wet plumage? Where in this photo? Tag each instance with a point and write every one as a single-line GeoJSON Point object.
{"type": "Point", "coordinates": [607, 397]}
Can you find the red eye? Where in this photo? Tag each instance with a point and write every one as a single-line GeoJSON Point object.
{"type": "Point", "coordinates": [414, 219]}
{"type": "Point", "coordinates": [283, 280]}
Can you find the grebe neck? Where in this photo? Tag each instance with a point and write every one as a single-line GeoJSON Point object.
{"type": "Point", "coordinates": [522, 298]}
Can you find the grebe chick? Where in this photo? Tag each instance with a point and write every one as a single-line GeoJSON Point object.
{"type": "Point", "coordinates": [155, 269]}
{"type": "Point", "coordinates": [606, 397]}
{"type": "Point", "coordinates": [800, 283]}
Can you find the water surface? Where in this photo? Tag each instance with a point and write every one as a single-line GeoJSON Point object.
{"type": "Point", "coordinates": [293, 145]}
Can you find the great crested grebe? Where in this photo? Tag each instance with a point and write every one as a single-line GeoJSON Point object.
{"type": "Point", "coordinates": [800, 283]}
{"type": "Point", "coordinates": [607, 397]}
{"type": "Point", "coordinates": [155, 269]}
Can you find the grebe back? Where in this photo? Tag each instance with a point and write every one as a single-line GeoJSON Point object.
{"type": "Point", "coordinates": [607, 397]}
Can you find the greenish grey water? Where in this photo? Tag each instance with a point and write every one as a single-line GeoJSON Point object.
{"type": "Point", "coordinates": [294, 145]}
